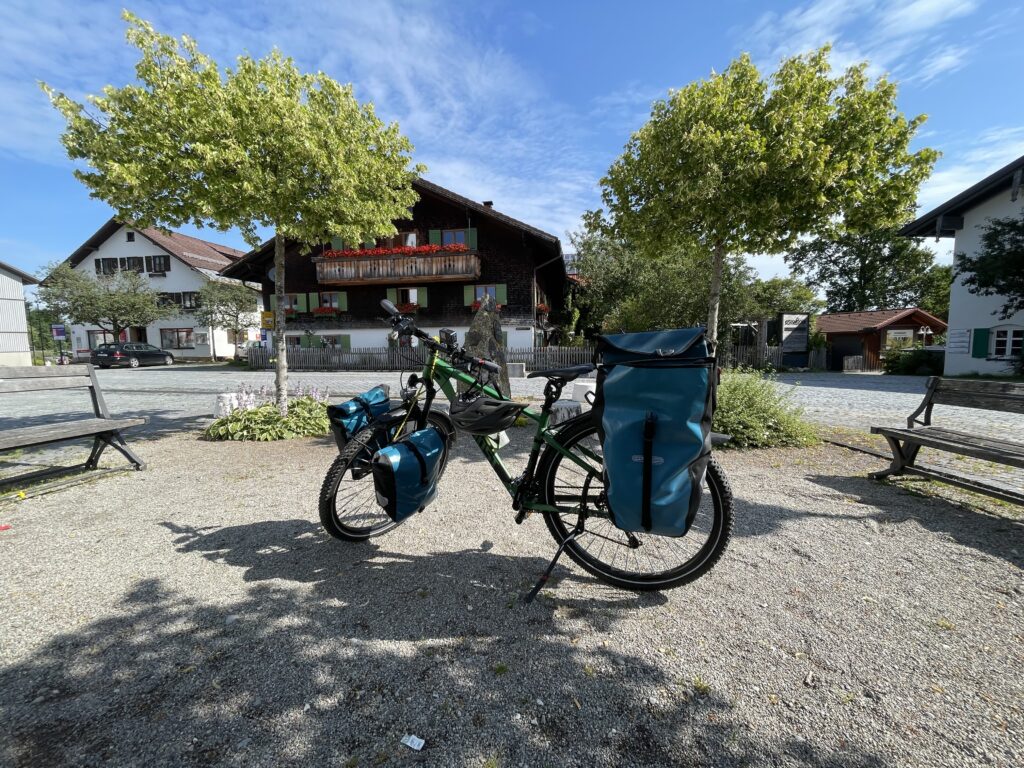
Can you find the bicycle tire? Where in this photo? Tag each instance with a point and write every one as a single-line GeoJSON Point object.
{"type": "Point", "coordinates": [718, 535]}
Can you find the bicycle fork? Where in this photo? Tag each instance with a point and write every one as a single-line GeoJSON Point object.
{"type": "Point", "coordinates": [551, 566]}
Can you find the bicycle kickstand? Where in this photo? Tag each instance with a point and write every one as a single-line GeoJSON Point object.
{"type": "Point", "coordinates": [551, 566]}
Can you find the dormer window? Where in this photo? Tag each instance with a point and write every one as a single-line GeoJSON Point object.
{"type": "Point", "coordinates": [129, 236]}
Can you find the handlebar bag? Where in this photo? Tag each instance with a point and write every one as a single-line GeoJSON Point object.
{"type": "Point", "coordinates": [405, 473]}
{"type": "Point", "coordinates": [654, 402]}
{"type": "Point", "coordinates": [354, 415]}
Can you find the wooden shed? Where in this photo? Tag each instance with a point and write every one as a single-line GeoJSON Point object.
{"type": "Point", "coordinates": [867, 334]}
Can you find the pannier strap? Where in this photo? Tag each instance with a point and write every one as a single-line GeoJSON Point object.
{"type": "Point", "coordinates": [650, 425]}
{"type": "Point", "coordinates": [419, 458]}
{"type": "Point", "coordinates": [365, 406]}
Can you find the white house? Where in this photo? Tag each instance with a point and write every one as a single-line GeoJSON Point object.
{"type": "Point", "coordinates": [978, 341]}
{"type": "Point", "coordinates": [14, 343]}
{"type": "Point", "coordinates": [177, 266]}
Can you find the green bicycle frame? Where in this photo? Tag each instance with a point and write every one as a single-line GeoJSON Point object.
{"type": "Point", "coordinates": [438, 371]}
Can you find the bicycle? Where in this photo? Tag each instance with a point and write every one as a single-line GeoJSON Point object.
{"type": "Point", "coordinates": [563, 479]}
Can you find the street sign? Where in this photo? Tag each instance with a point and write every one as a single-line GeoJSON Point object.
{"type": "Point", "coordinates": [795, 330]}
{"type": "Point", "coordinates": [267, 320]}
{"type": "Point", "coordinates": [59, 332]}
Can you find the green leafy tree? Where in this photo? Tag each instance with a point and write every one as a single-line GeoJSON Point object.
{"type": "Point", "coordinates": [739, 163]}
{"type": "Point", "coordinates": [933, 290]}
{"type": "Point", "coordinates": [258, 145]}
{"type": "Point", "coordinates": [997, 269]}
{"type": "Point", "coordinates": [228, 305]}
{"type": "Point", "coordinates": [112, 302]}
{"type": "Point", "coordinates": [878, 269]}
{"type": "Point", "coordinates": [782, 294]}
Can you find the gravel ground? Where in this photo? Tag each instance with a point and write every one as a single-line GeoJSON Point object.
{"type": "Point", "coordinates": [196, 614]}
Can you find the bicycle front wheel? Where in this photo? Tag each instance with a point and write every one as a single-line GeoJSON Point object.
{"type": "Point", "coordinates": [636, 561]}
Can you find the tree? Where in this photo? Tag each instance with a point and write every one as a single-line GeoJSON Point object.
{"type": "Point", "coordinates": [933, 290]}
{"type": "Point", "coordinates": [228, 305]}
{"type": "Point", "coordinates": [259, 145]}
{"type": "Point", "coordinates": [782, 294]}
{"type": "Point", "coordinates": [740, 164]}
{"type": "Point", "coordinates": [997, 269]}
{"type": "Point", "coordinates": [870, 270]}
{"type": "Point", "coordinates": [112, 302]}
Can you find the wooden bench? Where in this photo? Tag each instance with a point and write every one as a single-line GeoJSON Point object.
{"type": "Point", "coordinates": [104, 430]}
{"type": "Point", "coordinates": [1000, 396]}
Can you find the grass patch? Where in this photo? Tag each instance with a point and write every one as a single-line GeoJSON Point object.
{"type": "Point", "coordinates": [756, 414]}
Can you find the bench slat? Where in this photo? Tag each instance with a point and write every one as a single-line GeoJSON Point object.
{"type": "Point", "coordinates": [51, 382]}
{"type": "Point", "coordinates": [1004, 396]}
{"type": "Point", "coordinates": [26, 437]}
{"type": "Point", "coordinates": [43, 371]}
{"type": "Point", "coordinates": [1001, 451]}
{"type": "Point", "coordinates": [986, 441]}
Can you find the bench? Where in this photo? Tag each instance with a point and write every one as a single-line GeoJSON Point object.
{"type": "Point", "coordinates": [1000, 396]}
{"type": "Point", "coordinates": [104, 430]}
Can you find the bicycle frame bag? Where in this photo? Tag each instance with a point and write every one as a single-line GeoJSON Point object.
{"type": "Point", "coordinates": [405, 473]}
{"type": "Point", "coordinates": [654, 402]}
{"type": "Point", "coordinates": [356, 414]}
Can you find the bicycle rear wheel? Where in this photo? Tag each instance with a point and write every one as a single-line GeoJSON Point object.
{"type": "Point", "coordinates": [637, 561]}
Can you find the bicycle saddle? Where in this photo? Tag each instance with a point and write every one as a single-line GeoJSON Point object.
{"type": "Point", "coordinates": [565, 374]}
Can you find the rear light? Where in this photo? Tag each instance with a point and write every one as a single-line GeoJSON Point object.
{"type": "Point", "coordinates": [118, 354]}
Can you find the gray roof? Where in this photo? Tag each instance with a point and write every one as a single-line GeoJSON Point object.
{"type": "Point", "coordinates": [25, 277]}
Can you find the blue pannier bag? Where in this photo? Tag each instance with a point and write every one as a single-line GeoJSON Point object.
{"type": "Point", "coordinates": [356, 414]}
{"type": "Point", "coordinates": [654, 402]}
{"type": "Point", "coordinates": [405, 473]}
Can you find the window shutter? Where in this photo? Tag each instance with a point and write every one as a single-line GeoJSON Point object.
{"type": "Point", "coordinates": [345, 342]}
{"type": "Point", "coordinates": [99, 268]}
{"type": "Point", "coordinates": [337, 244]}
{"type": "Point", "coordinates": [471, 238]}
{"type": "Point", "coordinates": [314, 301]}
{"type": "Point", "coordinates": [273, 302]}
{"type": "Point", "coordinates": [501, 294]}
{"type": "Point", "coordinates": [421, 297]}
{"type": "Point", "coordinates": [149, 263]}
{"type": "Point", "coordinates": [316, 342]}
{"type": "Point", "coordinates": [979, 344]}
{"type": "Point", "coordinates": [393, 295]}
{"type": "Point", "coordinates": [343, 301]}
{"type": "Point", "coordinates": [167, 264]}
{"type": "Point", "coordinates": [468, 295]}
{"type": "Point", "coordinates": [434, 235]}
{"type": "Point", "coordinates": [300, 303]}
{"type": "Point", "coordinates": [504, 339]}
{"type": "Point", "coordinates": [122, 263]}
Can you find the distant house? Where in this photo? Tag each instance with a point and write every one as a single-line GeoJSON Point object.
{"type": "Point", "coordinates": [14, 342]}
{"type": "Point", "coordinates": [177, 266]}
{"type": "Point", "coordinates": [447, 256]}
{"type": "Point", "coordinates": [978, 341]}
{"type": "Point", "coordinates": [868, 334]}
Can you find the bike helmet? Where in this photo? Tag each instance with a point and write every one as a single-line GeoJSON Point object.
{"type": "Point", "coordinates": [482, 415]}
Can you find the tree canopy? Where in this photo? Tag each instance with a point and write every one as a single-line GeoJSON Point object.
{"type": "Point", "coordinates": [228, 305]}
{"type": "Point", "coordinates": [740, 163]}
{"type": "Point", "coordinates": [258, 145]}
{"type": "Point", "coordinates": [997, 269]}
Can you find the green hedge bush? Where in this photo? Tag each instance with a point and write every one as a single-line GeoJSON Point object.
{"type": "Point", "coordinates": [756, 414]}
{"type": "Point", "coordinates": [914, 362]}
{"type": "Point", "coordinates": [307, 417]}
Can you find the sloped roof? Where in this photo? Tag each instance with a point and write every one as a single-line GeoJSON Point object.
{"type": "Point", "coordinates": [25, 277]}
{"type": "Point", "coordinates": [200, 254]}
{"type": "Point", "coordinates": [931, 223]}
{"type": "Point", "coordinates": [875, 320]}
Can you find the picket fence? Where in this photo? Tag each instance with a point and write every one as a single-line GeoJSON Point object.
{"type": "Point", "coordinates": [406, 358]}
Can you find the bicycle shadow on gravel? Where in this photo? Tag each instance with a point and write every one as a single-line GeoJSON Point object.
{"type": "Point", "coordinates": [283, 676]}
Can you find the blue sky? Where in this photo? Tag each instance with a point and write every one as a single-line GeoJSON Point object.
{"type": "Point", "coordinates": [523, 103]}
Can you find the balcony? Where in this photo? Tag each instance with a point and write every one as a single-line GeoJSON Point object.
{"type": "Point", "coordinates": [398, 269]}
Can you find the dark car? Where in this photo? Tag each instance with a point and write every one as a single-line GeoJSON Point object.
{"type": "Point", "coordinates": [130, 354]}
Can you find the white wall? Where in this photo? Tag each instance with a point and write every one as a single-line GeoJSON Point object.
{"type": "Point", "coordinates": [14, 345]}
{"type": "Point", "coordinates": [968, 311]}
{"type": "Point", "coordinates": [362, 338]}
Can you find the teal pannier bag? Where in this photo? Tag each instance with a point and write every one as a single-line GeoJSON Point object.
{"type": "Point", "coordinates": [654, 402]}
{"type": "Point", "coordinates": [356, 414]}
{"type": "Point", "coordinates": [405, 473]}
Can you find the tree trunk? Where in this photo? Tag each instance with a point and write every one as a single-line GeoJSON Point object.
{"type": "Point", "coordinates": [213, 344]}
{"type": "Point", "coordinates": [715, 293]}
{"type": "Point", "coordinates": [281, 380]}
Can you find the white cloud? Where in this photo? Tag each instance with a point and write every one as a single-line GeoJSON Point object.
{"type": "Point", "coordinates": [965, 163]}
{"type": "Point", "coordinates": [942, 62]}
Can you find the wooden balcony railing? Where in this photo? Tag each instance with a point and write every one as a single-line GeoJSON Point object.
{"type": "Point", "coordinates": [397, 269]}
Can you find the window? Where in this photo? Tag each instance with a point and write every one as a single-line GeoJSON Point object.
{"type": "Point", "coordinates": [293, 341]}
{"type": "Point", "coordinates": [176, 338]}
{"type": "Point", "coordinates": [453, 237]}
{"type": "Point", "coordinates": [158, 263]}
{"type": "Point", "coordinates": [330, 300]}
{"type": "Point", "coordinates": [407, 296]}
{"type": "Point", "coordinates": [190, 300]}
{"type": "Point", "coordinates": [129, 236]}
{"type": "Point", "coordinates": [401, 240]}
{"type": "Point", "coordinates": [232, 336]}
{"type": "Point", "coordinates": [131, 264]}
{"type": "Point", "coordinates": [291, 301]}
{"type": "Point", "coordinates": [485, 290]}
{"type": "Point", "coordinates": [1007, 342]}
{"type": "Point", "coordinates": [106, 266]}
{"type": "Point", "coordinates": [96, 338]}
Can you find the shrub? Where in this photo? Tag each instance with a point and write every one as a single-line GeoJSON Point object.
{"type": "Point", "coordinates": [307, 417]}
{"type": "Point", "coordinates": [758, 415]}
{"type": "Point", "coordinates": [913, 362]}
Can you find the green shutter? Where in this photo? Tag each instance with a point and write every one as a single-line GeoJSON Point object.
{"type": "Point", "coordinates": [979, 345]}
{"type": "Point", "coordinates": [345, 342]}
{"type": "Point", "coordinates": [421, 297]}
{"type": "Point", "coordinates": [504, 339]}
{"type": "Point", "coordinates": [314, 301]}
{"type": "Point", "coordinates": [434, 236]}
{"type": "Point", "coordinates": [342, 301]}
{"type": "Point", "coordinates": [501, 294]}
{"type": "Point", "coordinates": [273, 302]}
{"type": "Point", "coordinates": [316, 342]}
{"type": "Point", "coordinates": [393, 295]}
{"type": "Point", "coordinates": [300, 305]}
{"type": "Point", "coordinates": [337, 244]}
{"type": "Point", "coordinates": [468, 295]}
{"type": "Point", "coordinates": [304, 340]}
{"type": "Point", "coordinates": [471, 238]}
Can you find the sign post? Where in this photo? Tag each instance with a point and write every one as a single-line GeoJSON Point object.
{"type": "Point", "coordinates": [59, 332]}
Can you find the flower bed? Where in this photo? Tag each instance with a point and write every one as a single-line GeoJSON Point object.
{"type": "Point", "coordinates": [405, 250]}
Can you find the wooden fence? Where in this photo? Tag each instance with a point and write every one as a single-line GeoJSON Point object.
{"type": "Point", "coordinates": [406, 358]}
{"type": "Point", "coordinates": [860, 363]}
{"type": "Point", "coordinates": [751, 356]}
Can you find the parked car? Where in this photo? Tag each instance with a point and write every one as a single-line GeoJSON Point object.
{"type": "Point", "coordinates": [130, 354]}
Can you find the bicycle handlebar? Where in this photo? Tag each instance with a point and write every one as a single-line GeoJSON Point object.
{"type": "Point", "coordinates": [406, 326]}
